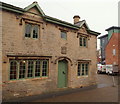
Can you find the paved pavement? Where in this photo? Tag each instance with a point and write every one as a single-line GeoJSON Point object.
{"type": "Point", "coordinates": [105, 91]}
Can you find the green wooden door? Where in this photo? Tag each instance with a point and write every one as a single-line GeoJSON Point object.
{"type": "Point", "coordinates": [62, 73]}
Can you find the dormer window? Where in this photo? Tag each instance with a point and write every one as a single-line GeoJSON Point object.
{"type": "Point", "coordinates": [31, 31]}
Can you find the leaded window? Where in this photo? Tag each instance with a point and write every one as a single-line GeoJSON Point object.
{"type": "Point", "coordinates": [24, 68]}
{"type": "Point", "coordinates": [44, 68]}
{"type": "Point", "coordinates": [30, 68]}
{"type": "Point", "coordinates": [13, 70]}
{"type": "Point", "coordinates": [31, 30]}
{"type": "Point", "coordinates": [37, 68]}
{"type": "Point", "coordinates": [83, 41]}
{"type": "Point", "coordinates": [82, 69]}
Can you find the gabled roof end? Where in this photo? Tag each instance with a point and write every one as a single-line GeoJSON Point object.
{"type": "Point", "coordinates": [35, 4]}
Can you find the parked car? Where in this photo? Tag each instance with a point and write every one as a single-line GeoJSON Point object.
{"type": "Point", "coordinates": [101, 68]}
{"type": "Point", "coordinates": [112, 69]}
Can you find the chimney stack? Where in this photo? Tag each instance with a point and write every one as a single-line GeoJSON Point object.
{"type": "Point", "coordinates": [76, 18]}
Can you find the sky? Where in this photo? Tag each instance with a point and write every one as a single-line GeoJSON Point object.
{"type": "Point", "coordinates": [99, 14]}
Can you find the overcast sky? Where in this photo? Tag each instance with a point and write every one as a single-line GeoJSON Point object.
{"type": "Point", "coordinates": [99, 14]}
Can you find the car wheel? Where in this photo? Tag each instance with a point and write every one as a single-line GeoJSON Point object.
{"type": "Point", "coordinates": [98, 72]}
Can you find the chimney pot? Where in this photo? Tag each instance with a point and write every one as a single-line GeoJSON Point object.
{"type": "Point", "coordinates": [76, 18]}
{"type": "Point", "coordinates": [35, 2]}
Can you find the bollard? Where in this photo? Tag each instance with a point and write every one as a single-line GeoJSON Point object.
{"type": "Point", "coordinates": [113, 81]}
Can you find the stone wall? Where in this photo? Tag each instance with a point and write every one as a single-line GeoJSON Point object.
{"type": "Point", "coordinates": [49, 43]}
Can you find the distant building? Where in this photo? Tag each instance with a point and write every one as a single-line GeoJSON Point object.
{"type": "Point", "coordinates": [112, 49]}
{"type": "Point", "coordinates": [103, 43]}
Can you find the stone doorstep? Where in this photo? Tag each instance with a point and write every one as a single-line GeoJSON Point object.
{"type": "Point", "coordinates": [63, 91]}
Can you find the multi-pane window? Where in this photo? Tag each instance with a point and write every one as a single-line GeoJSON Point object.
{"type": "Point", "coordinates": [63, 35]}
{"type": "Point", "coordinates": [37, 68]}
{"type": "Point", "coordinates": [82, 69]}
{"type": "Point", "coordinates": [13, 70]}
{"type": "Point", "coordinates": [30, 68]}
{"type": "Point", "coordinates": [44, 68]}
{"type": "Point", "coordinates": [83, 41]}
{"type": "Point", "coordinates": [20, 69]}
{"type": "Point", "coordinates": [31, 31]}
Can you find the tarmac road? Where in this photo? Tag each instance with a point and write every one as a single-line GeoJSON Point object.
{"type": "Point", "coordinates": [106, 91]}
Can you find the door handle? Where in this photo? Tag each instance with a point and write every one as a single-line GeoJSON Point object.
{"type": "Point", "coordinates": [63, 72]}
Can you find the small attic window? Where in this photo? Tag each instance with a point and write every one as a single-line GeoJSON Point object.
{"type": "Point", "coordinates": [31, 30]}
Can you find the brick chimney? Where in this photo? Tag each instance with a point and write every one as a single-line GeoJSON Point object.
{"type": "Point", "coordinates": [76, 18]}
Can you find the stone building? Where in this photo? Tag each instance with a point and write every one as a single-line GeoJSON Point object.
{"type": "Point", "coordinates": [44, 54]}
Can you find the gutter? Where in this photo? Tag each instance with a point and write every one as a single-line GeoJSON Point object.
{"type": "Point", "coordinates": [60, 23]}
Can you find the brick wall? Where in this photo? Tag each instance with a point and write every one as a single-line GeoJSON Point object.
{"type": "Point", "coordinates": [112, 44]}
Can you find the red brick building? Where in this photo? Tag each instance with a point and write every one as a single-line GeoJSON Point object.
{"type": "Point", "coordinates": [112, 48]}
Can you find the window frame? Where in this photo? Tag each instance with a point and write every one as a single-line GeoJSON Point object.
{"type": "Point", "coordinates": [65, 33]}
{"type": "Point", "coordinates": [83, 41]}
{"type": "Point", "coordinates": [26, 67]}
{"type": "Point", "coordinates": [31, 31]}
{"type": "Point", "coordinates": [19, 69]}
{"type": "Point", "coordinates": [80, 69]}
{"type": "Point", "coordinates": [10, 70]}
